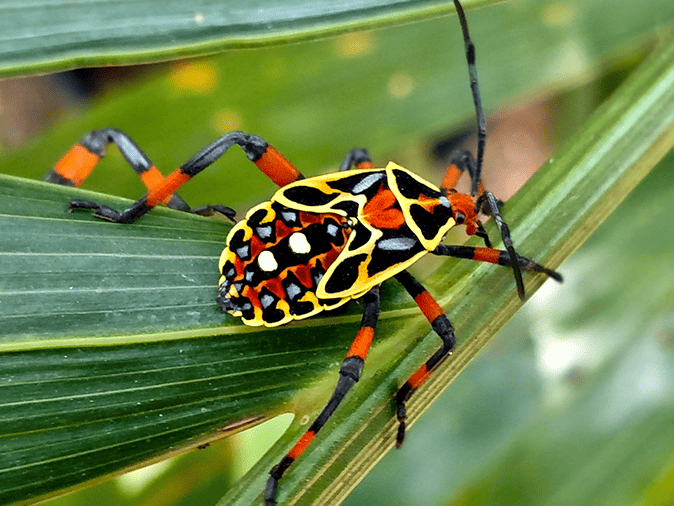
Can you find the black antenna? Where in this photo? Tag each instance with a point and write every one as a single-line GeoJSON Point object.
{"type": "Point", "coordinates": [472, 72]}
{"type": "Point", "coordinates": [481, 141]}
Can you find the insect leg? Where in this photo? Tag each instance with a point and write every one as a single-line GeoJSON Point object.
{"type": "Point", "coordinates": [462, 160]}
{"type": "Point", "coordinates": [442, 326]}
{"type": "Point", "coordinates": [494, 256]}
{"type": "Point", "coordinates": [78, 163]}
{"type": "Point", "coordinates": [264, 156]}
{"type": "Point", "coordinates": [358, 158]}
{"type": "Point", "coordinates": [349, 374]}
{"type": "Point", "coordinates": [485, 203]}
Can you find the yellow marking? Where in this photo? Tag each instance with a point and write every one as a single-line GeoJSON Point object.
{"type": "Point", "coordinates": [242, 225]}
{"type": "Point", "coordinates": [270, 216]}
{"type": "Point", "coordinates": [224, 256]}
{"type": "Point", "coordinates": [405, 203]}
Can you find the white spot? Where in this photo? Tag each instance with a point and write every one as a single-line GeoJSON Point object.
{"type": "Point", "coordinates": [289, 216]}
{"type": "Point", "coordinates": [266, 261]}
{"type": "Point", "coordinates": [293, 290]}
{"type": "Point", "coordinates": [333, 229]}
{"type": "Point", "coordinates": [367, 182]}
{"type": "Point", "coordinates": [299, 244]}
{"type": "Point", "coordinates": [266, 301]}
{"type": "Point", "coordinates": [263, 232]}
{"type": "Point", "coordinates": [396, 244]}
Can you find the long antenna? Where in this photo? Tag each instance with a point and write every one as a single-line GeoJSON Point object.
{"type": "Point", "coordinates": [472, 72]}
{"type": "Point", "coordinates": [481, 141]}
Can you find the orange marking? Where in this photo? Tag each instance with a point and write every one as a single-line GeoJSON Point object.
{"type": "Point", "coordinates": [364, 165]}
{"type": "Point", "coordinates": [428, 203]}
{"type": "Point", "coordinates": [175, 180]}
{"type": "Point", "coordinates": [328, 258]}
{"type": "Point", "coordinates": [274, 286]}
{"type": "Point", "coordinates": [419, 377]}
{"type": "Point", "coordinates": [239, 266]}
{"type": "Point", "coordinates": [428, 306]}
{"type": "Point", "coordinates": [301, 445]}
{"type": "Point", "coordinates": [251, 295]}
{"type": "Point", "coordinates": [451, 177]}
{"type": "Point", "coordinates": [303, 275]}
{"type": "Point", "coordinates": [361, 344]}
{"type": "Point", "coordinates": [480, 189]}
{"type": "Point", "coordinates": [307, 219]}
{"type": "Point", "coordinates": [379, 211]}
{"type": "Point", "coordinates": [76, 164]}
{"type": "Point", "coordinates": [486, 255]}
{"type": "Point", "coordinates": [152, 178]}
{"type": "Point", "coordinates": [256, 246]}
{"type": "Point", "coordinates": [282, 230]}
{"type": "Point", "coordinates": [463, 203]}
{"type": "Point", "coordinates": [277, 168]}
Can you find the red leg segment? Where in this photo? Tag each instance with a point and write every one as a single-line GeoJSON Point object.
{"type": "Point", "coordinates": [442, 326]}
{"type": "Point", "coordinates": [349, 374]}
{"type": "Point", "coordinates": [258, 151]}
{"type": "Point", "coordinates": [493, 256]}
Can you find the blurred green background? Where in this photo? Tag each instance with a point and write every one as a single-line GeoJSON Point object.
{"type": "Point", "coordinates": [573, 403]}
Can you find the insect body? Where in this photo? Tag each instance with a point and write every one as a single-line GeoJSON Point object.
{"type": "Point", "coordinates": [322, 241]}
{"type": "Point", "coordinates": [328, 239]}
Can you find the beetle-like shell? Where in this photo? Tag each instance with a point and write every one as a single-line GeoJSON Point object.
{"type": "Point", "coordinates": [324, 240]}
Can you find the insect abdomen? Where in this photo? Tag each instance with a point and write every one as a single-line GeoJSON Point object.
{"type": "Point", "coordinates": [274, 261]}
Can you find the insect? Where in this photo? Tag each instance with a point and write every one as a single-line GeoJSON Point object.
{"type": "Point", "coordinates": [322, 241]}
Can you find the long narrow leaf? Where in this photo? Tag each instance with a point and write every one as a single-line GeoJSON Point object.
{"type": "Point", "coordinates": [40, 36]}
{"type": "Point", "coordinates": [552, 215]}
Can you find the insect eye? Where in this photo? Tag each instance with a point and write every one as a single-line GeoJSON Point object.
{"type": "Point", "coordinates": [460, 218]}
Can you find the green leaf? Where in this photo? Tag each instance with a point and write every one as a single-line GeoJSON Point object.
{"type": "Point", "coordinates": [62, 34]}
{"type": "Point", "coordinates": [552, 215]}
{"type": "Point", "coordinates": [78, 407]}
{"type": "Point", "coordinates": [115, 352]}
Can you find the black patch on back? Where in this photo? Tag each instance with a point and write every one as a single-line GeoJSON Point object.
{"type": "Point", "coordinates": [270, 313]}
{"type": "Point", "coordinates": [362, 236]}
{"type": "Point", "coordinates": [349, 206]}
{"type": "Point", "coordinates": [309, 196]}
{"type": "Point", "coordinates": [430, 223]}
{"type": "Point", "coordinates": [411, 188]}
{"type": "Point", "coordinates": [383, 259]}
{"type": "Point", "coordinates": [345, 275]}
{"type": "Point", "coordinates": [367, 184]}
{"type": "Point", "coordinates": [295, 291]}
